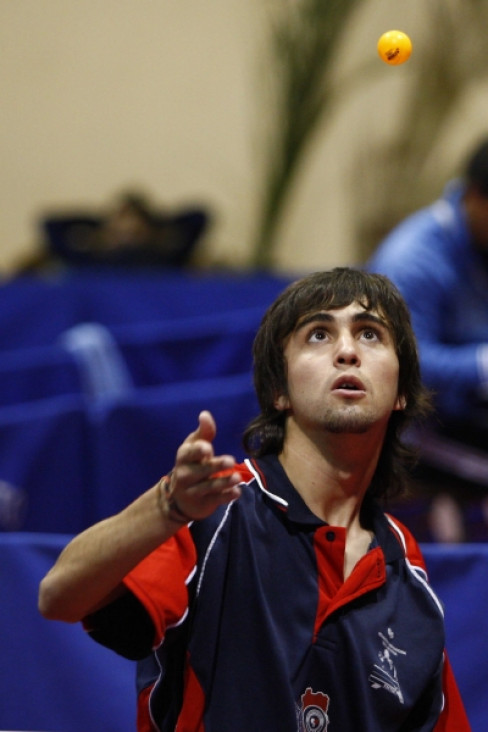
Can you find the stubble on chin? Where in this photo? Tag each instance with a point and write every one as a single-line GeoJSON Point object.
{"type": "Point", "coordinates": [347, 421]}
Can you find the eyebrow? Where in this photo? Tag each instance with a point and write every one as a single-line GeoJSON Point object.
{"type": "Point", "coordinates": [365, 316]}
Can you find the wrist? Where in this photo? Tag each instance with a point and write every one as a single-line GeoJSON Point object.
{"type": "Point", "coordinates": [168, 506]}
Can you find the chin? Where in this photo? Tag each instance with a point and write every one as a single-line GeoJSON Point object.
{"type": "Point", "coordinates": [351, 422]}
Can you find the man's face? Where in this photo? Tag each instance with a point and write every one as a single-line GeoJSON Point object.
{"type": "Point", "coordinates": [342, 371]}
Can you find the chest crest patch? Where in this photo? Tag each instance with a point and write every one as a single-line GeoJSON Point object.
{"type": "Point", "coordinates": [312, 714]}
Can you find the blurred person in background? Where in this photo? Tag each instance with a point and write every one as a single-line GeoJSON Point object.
{"type": "Point", "coordinates": [438, 258]}
{"type": "Point", "coordinates": [129, 233]}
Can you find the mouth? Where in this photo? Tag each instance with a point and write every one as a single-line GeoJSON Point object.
{"type": "Point", "coordinates": [349, 384]}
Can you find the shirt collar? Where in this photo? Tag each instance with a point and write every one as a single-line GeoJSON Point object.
{"type": "Point", "coordinates": [274, 482]}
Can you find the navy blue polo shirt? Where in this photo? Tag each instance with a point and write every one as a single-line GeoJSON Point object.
{"type": "Point", "coordinates": [244, 622]}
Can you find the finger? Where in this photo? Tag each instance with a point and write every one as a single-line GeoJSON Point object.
{"type": "Point", "coordinates": [229, 494]}
{"type": "Point", "coordinates": [200, 451]}
{"type": "Point", "coordinates": [202, 499]}
{"type": "Point", "coordinates": [194, 473]}
{"type": "Point", "coordinates": [207, 426]}
{"type": "Point", "coordinates": [224, 484]}
{"type": "Point", "coordinates": [206, 429]}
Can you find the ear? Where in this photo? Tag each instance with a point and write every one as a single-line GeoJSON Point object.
{"type": "Point", "coordinates": [281, 403]}
{"type": "Point", "coordinates": [400, 403]}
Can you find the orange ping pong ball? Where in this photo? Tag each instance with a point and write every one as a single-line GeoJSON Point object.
{"type": "Point", "coordinates": [394, 47]}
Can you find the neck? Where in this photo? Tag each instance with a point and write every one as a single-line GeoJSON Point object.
{"type": "Point", "coordinates": [332, 473]}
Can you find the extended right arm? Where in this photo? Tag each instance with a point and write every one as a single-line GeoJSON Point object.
{"type": "Point", "coordinates": [89, 572]}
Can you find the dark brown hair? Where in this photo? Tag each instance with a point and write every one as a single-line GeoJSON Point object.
{"type": "Point", "coordinates": [329, 290]}
{"type": "Point", "coordinates": [476, 169]}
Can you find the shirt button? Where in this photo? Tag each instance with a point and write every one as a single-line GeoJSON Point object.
{"type": "Point", "coordinates": [330, 535]}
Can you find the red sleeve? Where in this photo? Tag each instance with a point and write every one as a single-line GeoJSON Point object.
{"type": "Point", "coordinates": [453, 717]}
{"type": "Point", "coordinates": [160, 582]}
{"type": "Point", "coordinates": [144, 721]}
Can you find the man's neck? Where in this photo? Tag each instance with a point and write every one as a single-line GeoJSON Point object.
{"type": "Point", "coordinates": [332, 473]}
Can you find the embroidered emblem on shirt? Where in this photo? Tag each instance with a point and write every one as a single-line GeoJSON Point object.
{"type": "Point", "coordinates": [385, 676]}
{"type": "Point", "coordinates": [312, 715]}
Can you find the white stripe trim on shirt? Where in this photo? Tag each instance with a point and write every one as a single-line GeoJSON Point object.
{"type": "Point", "coordinates": [417, 571]}
{"type": "Point", "coordinates": [276, 498]}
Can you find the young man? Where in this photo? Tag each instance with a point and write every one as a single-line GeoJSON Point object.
{"type": "Point", "coordinates": [276, 594]}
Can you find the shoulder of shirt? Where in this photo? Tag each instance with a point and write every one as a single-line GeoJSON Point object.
{"type": "Point", "coordinates": [407, 541]}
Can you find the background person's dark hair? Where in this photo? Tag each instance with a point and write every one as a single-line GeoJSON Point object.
{"type": "Point", "coordinates": [476, 172]}
{"type": "Point", "coordinates": [333, 289]}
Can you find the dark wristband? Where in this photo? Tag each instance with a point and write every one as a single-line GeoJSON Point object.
{"type": "Point", "coordinates": [173, 511]}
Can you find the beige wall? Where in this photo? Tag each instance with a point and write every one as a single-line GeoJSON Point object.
{"type": "Point", "coordinates": [100, 94]}
{"type": "Point", "coordinates": [170, 95]}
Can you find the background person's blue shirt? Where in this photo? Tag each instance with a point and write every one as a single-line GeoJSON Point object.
{"type": "Point", "coordinates": [431, 259]}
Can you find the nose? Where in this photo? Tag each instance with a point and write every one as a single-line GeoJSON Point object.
{"type": "Point", "coordinates": [347, 352]}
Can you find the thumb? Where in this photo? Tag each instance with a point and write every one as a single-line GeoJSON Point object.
{"type": "Point", "coordinates": [207, 428]}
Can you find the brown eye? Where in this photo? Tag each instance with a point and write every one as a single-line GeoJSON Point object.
{"type": "Point", "coordinates": [370, 334]}
{"type": "Point", "coordinates": [317, 334]}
